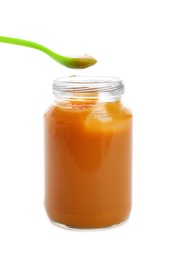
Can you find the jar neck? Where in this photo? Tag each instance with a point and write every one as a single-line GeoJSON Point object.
{"type": "Point", "coordinates": [98, 97]}
{"type": "Point", "coordinates": [88, 89]}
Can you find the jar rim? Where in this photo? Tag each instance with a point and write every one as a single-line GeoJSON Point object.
{"type": "Point", "coordinates": [87, 84]}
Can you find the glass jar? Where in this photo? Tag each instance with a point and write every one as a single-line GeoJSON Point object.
{"type": "Point", "coordinates": [88, 143]}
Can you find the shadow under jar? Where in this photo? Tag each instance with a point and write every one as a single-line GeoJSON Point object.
{"type": "Point", "coordinates": [88, 150]}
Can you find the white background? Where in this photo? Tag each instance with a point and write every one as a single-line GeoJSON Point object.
{"type": "Point", "coordinates": [132, 40]}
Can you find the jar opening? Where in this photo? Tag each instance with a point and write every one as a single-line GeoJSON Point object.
{"type": "Point", "coordinates": [88, 84]}
{"type": "Point", "coordinates": [103, 89]}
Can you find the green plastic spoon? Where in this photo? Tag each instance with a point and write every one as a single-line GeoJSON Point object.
{"type": "Point", "coordinates": [76, 62]}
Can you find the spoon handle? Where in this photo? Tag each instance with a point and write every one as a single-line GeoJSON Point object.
{"type": "Point", "coordinates": [33, 45]}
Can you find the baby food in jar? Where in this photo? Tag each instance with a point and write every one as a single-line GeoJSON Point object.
{"type": "Point", "coordinates": [88, 153]}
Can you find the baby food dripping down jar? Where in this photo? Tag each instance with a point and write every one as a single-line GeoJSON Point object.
{"type": "Point", "coordinates": [88, 153]}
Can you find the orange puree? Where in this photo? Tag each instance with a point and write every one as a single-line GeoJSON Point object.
{"type": "Point", "coordinates": [88, 163]}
